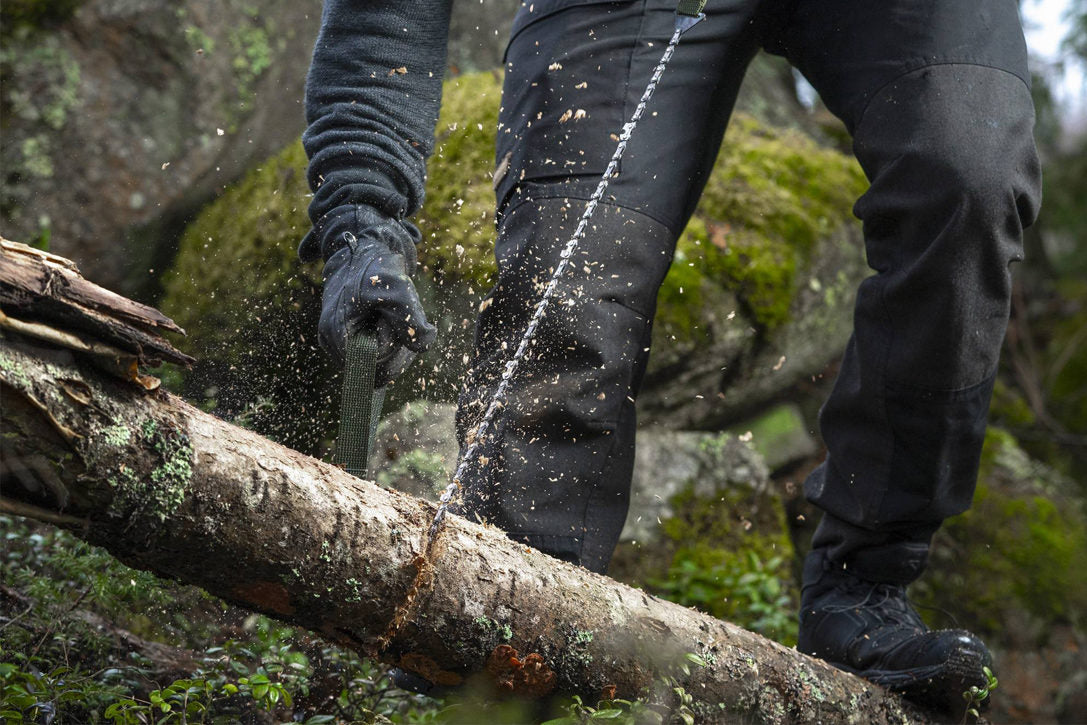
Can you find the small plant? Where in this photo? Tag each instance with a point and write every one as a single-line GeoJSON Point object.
{"type": "Point", "coordinates": [668, 704]}
{"type": "Point", "coordinates": [33, 695]}
{"type": "Point", "coordinates": [743, 589]}
{"type": "Point", "coordinates": [624, 712]}
{"type": "Point", "coordinates": [975, 696]}
{"type": "Point", "coordinates": [190, 700]}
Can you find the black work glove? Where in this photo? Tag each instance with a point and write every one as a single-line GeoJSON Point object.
{"type": "Point", "coordinates": [369, 260]}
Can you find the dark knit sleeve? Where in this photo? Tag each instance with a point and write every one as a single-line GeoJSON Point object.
{"type": "Point", "coordinates": [372, 98]}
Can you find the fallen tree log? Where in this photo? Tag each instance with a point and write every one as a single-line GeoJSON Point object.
{"type": "Point", "coordinates": [166, 487]}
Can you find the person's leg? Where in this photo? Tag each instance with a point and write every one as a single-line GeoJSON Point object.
{"type": "Point", "coordinates": [936, 95]}
{"type": "Point", "coordinates": [556, 473]}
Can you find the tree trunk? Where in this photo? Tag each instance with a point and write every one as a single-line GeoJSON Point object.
{"type": "Point", "coordinates": [166, 487]}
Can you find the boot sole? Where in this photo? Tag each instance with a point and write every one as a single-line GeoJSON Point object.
{"type": "Point", "coordinates": [938, 687]}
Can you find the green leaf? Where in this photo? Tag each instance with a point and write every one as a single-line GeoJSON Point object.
{"type": "Point", "coordinates": [695, 659]}
{"type": "Point", "coordinates": [609, 714]}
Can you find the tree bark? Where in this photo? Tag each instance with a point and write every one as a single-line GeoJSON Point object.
{"type": "Point", "coordinates": [168, 488]}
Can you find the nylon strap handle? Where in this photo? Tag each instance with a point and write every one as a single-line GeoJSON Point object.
{"type": "Point", "coordinates": [692, 8]}
{"type": "Point", "coordinates": [689, 14]}
{"type": "Point", "coordinates": [360, 405]}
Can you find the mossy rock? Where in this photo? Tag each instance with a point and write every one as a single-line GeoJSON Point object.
{"type": "Point", "coordinates": [765, 244]}
{"type": "Point", "coordinates": [719, 542]}
{"type": "Point", "coordinates": [457, 218]}
{"type": "Point", "coordinates": [250, 308]}
{"type": "Point", "coordinates": [1012, 566]}
{"type": "Point", "coordinates": [760, 294]}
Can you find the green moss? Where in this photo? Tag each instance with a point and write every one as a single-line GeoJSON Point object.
{"type": "Point", "coordinates": [457, 219]}
{"type": "Point", "coordinates": [252, 55]}
{"type": "Point", "coordinates": [117, 435]}
{"type": "Point", "coordinates": [40, 90]}
{"type": "Point", "coordinates": [157, 495]}
{"type": "Point", "coordinates": [14, 373]}
{"type": "Point", "coordinates": [732, 517]}
{"type": "Point", "coordinates": [492, 628]}
{"type": "Point", "coordinates": [356, 590]}
{"type": "Point", "coordinates": [1009, 407]}
{"type": "Point", "coordinates": [780, 435]}
{"type": "Point", "coordinates": [242, 247]}
{"type": "Point", "coordinates": [1022, 547]}
{"type": "Point", "coordinates": [772, 194]}
{"type": "Point", "coordinates": [250, 307]}
{"type": "Point", "coordinates": [729, 553]}
{"type": "Point", "coordinates": [575, 655]}
{"type": "Point", "coordinates": [198, 39]}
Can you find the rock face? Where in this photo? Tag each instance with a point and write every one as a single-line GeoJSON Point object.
{"type": "Point", "coordinates": [757, 298]}
{"type": "Point", "coordinates": [670, 463]}
{"type": "Point", "coordinates": [1011, 569]}
{"type": "Point", "coordinates": [416, 452]}
{"type": "Point", "coordinates": [124, 116]}
{"type": "Point", "coordinates": [416, 449]}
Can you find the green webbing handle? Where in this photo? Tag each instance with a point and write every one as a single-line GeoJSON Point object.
{"type": "Point", "coordinates": [689, 14]}
{"type": "Point", "coordinates": [692, 8]}
{"type": "Point", "coordinates": [360, 405]}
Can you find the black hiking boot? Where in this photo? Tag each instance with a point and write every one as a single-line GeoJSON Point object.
{"type": "Point", "coordinates": [870, 629]}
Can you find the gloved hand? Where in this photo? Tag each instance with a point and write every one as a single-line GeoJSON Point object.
{"type": "Point", "coordinates": [369, 260]}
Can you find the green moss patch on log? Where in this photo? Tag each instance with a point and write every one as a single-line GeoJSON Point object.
{"type": "Point", "coordinates": [157, 495]}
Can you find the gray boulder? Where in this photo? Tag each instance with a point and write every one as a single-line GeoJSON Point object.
{"type": "Point", "coordinates": [127, 115]}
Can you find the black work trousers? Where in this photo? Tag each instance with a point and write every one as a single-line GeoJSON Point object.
{"type": "Point", "coordinates": [936, 96]}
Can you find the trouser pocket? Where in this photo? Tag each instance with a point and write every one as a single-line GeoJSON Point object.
{"type": "Point", "coordinates": [564, 96]}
